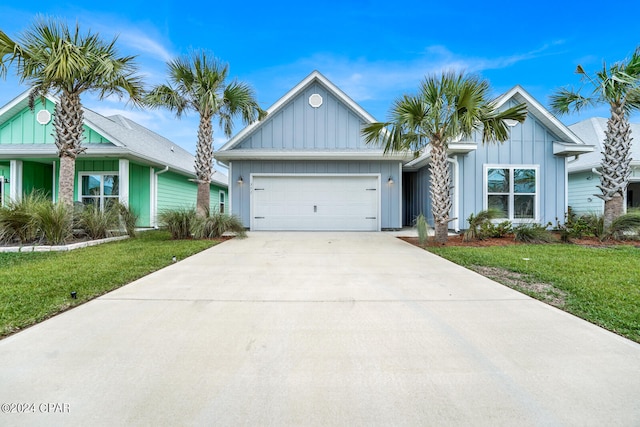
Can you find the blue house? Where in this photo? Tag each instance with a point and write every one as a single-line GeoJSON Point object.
{"type": "Point", "coordinates": [583, 171]}
{"type": "Point", "coordinates": [306, 167]}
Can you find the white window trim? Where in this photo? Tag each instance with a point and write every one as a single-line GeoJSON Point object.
{"type": "Point", "coordinates": [102, 196]}
{"type": "Point", "coordinates": [485, 198]}
{"type": "Point", "coordinates": [222, 202]}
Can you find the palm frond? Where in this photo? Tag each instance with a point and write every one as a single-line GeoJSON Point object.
{"type": "Point", "coordinates": [565, 100]}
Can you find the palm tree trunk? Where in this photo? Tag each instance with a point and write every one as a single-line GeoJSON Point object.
{"type": "Point", "coordinates": [203, 164]}
{"type": "Point", "coordinates": [616, 170]}
{"type": "Point", "coordinates": [440, 190]}
{"type": "Point", "coordinates": [68, 123]}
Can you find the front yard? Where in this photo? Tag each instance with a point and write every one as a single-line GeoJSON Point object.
{"type": "Point", "coordinates": [36, 286]}
{"type": "Point", "coordinates": [598, 284]}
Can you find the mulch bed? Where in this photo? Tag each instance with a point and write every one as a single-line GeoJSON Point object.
{"type": "Point", "coordinates": [509, 241]}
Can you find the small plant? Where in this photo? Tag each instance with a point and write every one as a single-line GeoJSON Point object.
{"type": "Point", "coordinates": [500, 230]}
{"type": "Point", "coordinates": [215, 225]}
{"type": "Point", "coordinates": [97, 223]}
{"type": "Point", "coordinates": [534, 233]}
{"type": "Point", "coordinates": [625, 227]}
{"type": "Point", "coordinates": [421, 225]}
{"type": "Point", "coordinates": [128, 218]}
{"type": "Point", "coordinates": [17, 220]}
{"type": "Point", "coordinates": [576, 227]}
{"type": "Point", "coordinates": [178, 222]}
{"type": "Point", "coordinates": [476, 221]}
{"type": "Point", "coordinates": [54, 221]}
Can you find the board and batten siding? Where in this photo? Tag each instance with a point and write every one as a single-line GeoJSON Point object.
{"type": "Point", "coordinates": [299, 126]}
{"type": "Point", "coordinates": [140, 193]}
{"type": "Point", "coordinates": [391, 212]}
{"type": "Point", "coordinates": [23, 128]}
{"type": "Point", "coordinates": [530, 143]}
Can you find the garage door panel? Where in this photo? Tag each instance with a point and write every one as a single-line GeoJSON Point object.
{"type": "Point", "coordinates": [315, 203]}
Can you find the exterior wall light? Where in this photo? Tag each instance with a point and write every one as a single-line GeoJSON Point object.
{"type": "Point", "coordinates": [240, 180]}
{"type": "Point", "coordinates": [390, 180]}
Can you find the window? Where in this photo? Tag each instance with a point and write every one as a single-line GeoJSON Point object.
{"type": "Point", "coordinates": [222, 201]}
{"type": "Point", "coordinates": [512, 190]}
{"type": "Point", "coordinates": [99, 189]}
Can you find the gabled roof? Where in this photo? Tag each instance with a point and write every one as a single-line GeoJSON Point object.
{"type": "Point", "coordinates": [128, 139]}
{"type": "Point", "coordinates": [592, 131]}
{"type": "Point", "coordinates": [299, 88]}
{"type": "Point", "coordinates": [570, 144]}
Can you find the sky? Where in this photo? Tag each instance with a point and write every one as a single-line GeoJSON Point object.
{"type": "Point", "coordinates": [374, 51]}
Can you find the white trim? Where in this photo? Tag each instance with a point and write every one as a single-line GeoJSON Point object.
{"type": "Point", "coordinates": [230, 187]}
{"type": "Point", "coordinates": [1, 190]}
{"type": "Point", "coordinates": [15, 180]}
{"type": "Point", "coordinates": [154, 194]}
{"type": "Point", "coordinates": [123, 181]}
{"type": "Point", "coordinates": [223, 203]}
{"type": "Point", "coordinates": [512, 166]}
{"type": "Point", "coordinates": [346, 175]}
{"type": "Point", "coordinates": [310, 155]}
{"type": "Point", "coordinates": [54, 195]}
{"type": "Point", "coordinates": [102, 174]}
{"type": "Point", "coordinates": [456, 192]}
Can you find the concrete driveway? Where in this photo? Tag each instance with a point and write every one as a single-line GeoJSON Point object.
{"type": "Point", "coordinates": [299, 329]}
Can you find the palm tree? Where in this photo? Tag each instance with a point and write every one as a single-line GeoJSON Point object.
{"type": "Point", "coordinates": [199, 84]}
{"type": "Point", "coordinates": [619, 87]}
{"type": "Point", "coordinates": [449, 106]}
{"type": "Point", "coordinates": [54, 59]}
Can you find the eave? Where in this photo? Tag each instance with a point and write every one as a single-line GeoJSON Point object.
{"type": "Point", "coordinates": [226, 156]}
{"type": "Point", "coordinates": [567, 149]}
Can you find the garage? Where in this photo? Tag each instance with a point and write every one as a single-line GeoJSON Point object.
{"type": "Point", "coordinates": [315, 202]}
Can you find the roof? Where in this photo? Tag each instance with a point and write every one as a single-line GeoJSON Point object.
{"type": "Point", "coordinates": [128, 139]}
{"type": "Point", "coordinates": [591, 131]}
{"type": "Point", "coordinates": [227, 151]}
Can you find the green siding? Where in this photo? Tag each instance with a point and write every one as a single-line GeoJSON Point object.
{"type": "Point", "coordinates": [37, 176]}
{"type": "Point", "coordinates": [582, 190]}
{"type": "Point", "coordinates": [175, 191]}
{"type": "Point", "coordinates": [4, 171]}
{"type": "Point", "coordinates": [23, 128]}
{"type": "Point", "coordinates": [140, 193]}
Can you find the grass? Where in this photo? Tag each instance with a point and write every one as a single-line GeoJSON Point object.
{"type": "Point", "coordinates": [601, 285]}
{"type": "Point", "coordinates": [36, 286]}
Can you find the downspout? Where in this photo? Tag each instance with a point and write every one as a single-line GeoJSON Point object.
{"type": "Point", "coordinates": [154, 203]}
{"type": "Point", "coordinates": [456, 192]}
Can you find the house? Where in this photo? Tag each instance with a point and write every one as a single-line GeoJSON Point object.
{"type": "Point", "coordinates": [306, 167]}
{"type": "Point", "coordinates": [123, 161]}
{"type": "Point", "coordinates": [583, 180]}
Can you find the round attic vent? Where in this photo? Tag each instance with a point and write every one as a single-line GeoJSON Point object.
{"type": "Point", "coordinates": [315, 100]}
{"type": "Point", "coordinates": [43, 117]}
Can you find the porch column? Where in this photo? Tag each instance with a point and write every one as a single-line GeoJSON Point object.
{"type": "Point", "coordinates": [15, 180]}
{"type": "Point", "coordinates": [123, 180]}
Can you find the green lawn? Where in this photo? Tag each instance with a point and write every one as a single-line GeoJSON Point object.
{"type": "Point", "coordinates": [601, 285]}
{"type": "Point", "coordinates": [35, 286]}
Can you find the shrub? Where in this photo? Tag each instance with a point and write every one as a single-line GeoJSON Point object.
{"type": "Point", "coordinates": [421, 225]}
{"type": "Point", "coordinates": [477, 221]}
{"type": "Point", "coordinates": [97, 223]}
{"type": "Point", "coordinates": [17, 220]}
{"type": "Point", "coordinates": [534, 233]}
{"type": "Point", "coordinates": [580, 226]}
{"type": "Point", "coordinates": [215, 225]}
{"type": "Point", "coordinates": [178, 222]}
{"type": "Point", "coordinates": [489, 229]}
{"type": "Point", "coordinates": [625, 227]}
{"type": "Point", "coordinates": [128, 218]}
{"type": "Point", "coordinates": [54, 222]}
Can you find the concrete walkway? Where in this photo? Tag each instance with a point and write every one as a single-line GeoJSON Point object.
{"type": "Point", "coordinates": [354, 329]}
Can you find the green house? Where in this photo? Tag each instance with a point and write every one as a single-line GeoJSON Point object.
{"type": "Point", "coordinates": [123, 160]}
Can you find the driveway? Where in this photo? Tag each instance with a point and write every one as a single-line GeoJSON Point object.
{"type": "Point", "coordinates": [353, 329]}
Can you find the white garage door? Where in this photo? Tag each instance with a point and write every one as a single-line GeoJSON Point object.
{"type": "Point", "coordinates": [315, 203]}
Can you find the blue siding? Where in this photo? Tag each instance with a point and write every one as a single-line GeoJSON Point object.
{"type": "Point", "coordinates": [582, 191]}
{"type": "Point", "coordinates": [530, 143]}
{"type": "Point", "coordinates": [299, 126]}
{"type": "Point", "coordinates": [391, 211]}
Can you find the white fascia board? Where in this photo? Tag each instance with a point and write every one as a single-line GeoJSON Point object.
{"type": "Point", "coordinates": [461, 147]}
{"type": "Point", "coordinates": [307, 155]}
{"type": "Point", "coordinates": [540, 112]}
{"type": "Point", "coordinates": [315, 75]}
{"type": "Point", "coordinates": [564, 149]}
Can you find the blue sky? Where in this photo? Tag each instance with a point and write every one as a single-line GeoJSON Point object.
{"type": "Point", "coordinates": [375, 51]}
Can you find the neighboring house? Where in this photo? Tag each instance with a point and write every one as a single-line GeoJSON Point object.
{"type": "Point", "coordinates": [306, 167]}
{"type": "Point", "coordinates": [123, 160]}
{"type": "Point", "coordinates": [583, 181]}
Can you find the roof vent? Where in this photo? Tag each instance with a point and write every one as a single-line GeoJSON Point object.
{"type": "Point", "coordinates": [315, 100]}
{"type": "Point", "coordinates": [43, 117]}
